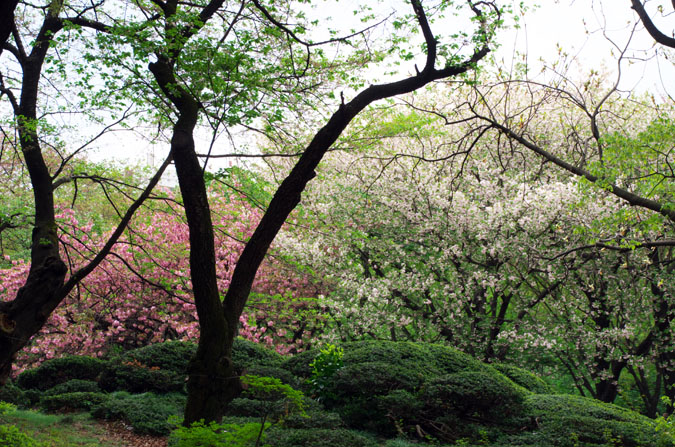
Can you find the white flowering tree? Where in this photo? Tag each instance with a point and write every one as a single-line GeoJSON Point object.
{"type": "Point", "coordinates": [437, 233]}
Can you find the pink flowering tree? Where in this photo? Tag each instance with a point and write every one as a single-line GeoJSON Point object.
{"type": "Point", "coordinates": [141, 294]}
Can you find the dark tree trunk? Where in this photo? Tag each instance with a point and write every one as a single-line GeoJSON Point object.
{"type": "Point", "coordinates": [7, 8]}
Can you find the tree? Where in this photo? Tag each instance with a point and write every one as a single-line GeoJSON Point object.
{"type": "Point", "coordinates": [7, 20]}
{"type": "Point", "coordinates": [650, 26]}
{"type": "Point", "coordinates": [141, 293]}
{"type": "Point", "coordinates": [212, 380]}
{"type": "Point", "coordinates": [46, 285]}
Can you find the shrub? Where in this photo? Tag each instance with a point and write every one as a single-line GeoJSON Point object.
{"type": "Point", "coordinates": [146, 413]}
{"type": "Point", "coordinates": [135, 377]}
{"type": "Point", "coordinates": [73, 386]}
{"type": "Point", "coordinates": [313, 419]}
{"type": "Point", "coordinates": [216, 435]}
{"type": "Point", "coordinates": [15, 395]}
{"type": "Point", "coordinates": [55, 371]}
{"type": "Point", "coordinates": [324, 366]}
{"type": "Point", "coordinates": [299, 364]}
{"type": "Point", "coordinates": [81, 400]}
{"type": "Point", "coordinates": [11, 436]}
{"type": "Point", "coordinates": [524, 378]}
{"type": "Point", "coordinates": [426, 359]}
{"type": "Point", "coordinates": [246, 353]}
{"type": "Point", "coordinates": [569, 421]}
{"type": "Point", "coordinates": [338, 437]}
{"type": "Point", "coordinates": [476, 394]}
{"type": "Point", "coordinates": [171, 355]}
{"type": "Point", "coordinates": [273, 371]}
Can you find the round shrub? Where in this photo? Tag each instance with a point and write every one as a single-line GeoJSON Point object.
{"type": "Point", "coordinates": [55, 371]}
{"type": "Point", "coordinates": [318, 437]}
{"type": "Point", "coordinates": [171, 355]}
{"type": "Point", "coordinates": [524, 378]}
{"type": "Point", "coordinates": [147, 413]}
{"type": "Point", "coordinates": [138, 378]}
{"type": "Point", "coordinates": [562, 420]}
{"type": "Point", "coordinates": [273, 371]}
{"type": "Point", "coordinates": [298, 364]}
{"type": "Point", "coordinates": [373, 378]}
{"type": "Point", "coordinates": [246, 353]}
{"type": "Point", "coordinates": [475, 394]}
{"type": "Point", "coordinates": [82, 400]}
{"type": "Point", "coordinates": [15, 395]}
{"type": "Point", "coordinates": [73, 386]}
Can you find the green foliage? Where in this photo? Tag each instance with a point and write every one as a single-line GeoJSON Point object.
{"type": "Point", "coordinates": [472, 394]}
{"type": "Point", "coordinates": [55, 371]}
{"type": "Point", "coordinates": [273, 371]}
{"type": "Point", "coordinates": [314, 418]}
{"type": "Point", "coordinates": [13, 394]}
{"type": "Point", "coordinates": [146, 413]}
{"type": "Point", "coordinates": [73, 386]}
{"type": "Point", "coordinates": [299, 364]}
{"type": "Point", "coordinates": [78, 400]}
{"type": "Point", "coordinates": [337, 437]}
{"type": "Point", "coordinates": [171, 355]}
{"type": "Point", "coordinates": [11, 436]}
{"type": "Point", "coordinates": [571, 421]}
{"type": "Point", "coordinates": [6, 407]}
{"type": "Point", "coordinates": [246, 353]}
{"type": "Point", "coordinates": [136, 377]}
{"type": "Point", "coordinates": [215, 435]}
{"type": "Point", "coordinates": [665, 425]}
{"type": "Point", "coordinates": [324, 366]}
{"type": "Point", "coordinates": [524, 378]}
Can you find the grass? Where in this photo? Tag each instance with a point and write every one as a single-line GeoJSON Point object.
{"type": "Point", "coordinates": [69, 430]}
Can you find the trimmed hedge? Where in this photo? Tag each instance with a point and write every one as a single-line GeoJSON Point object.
{"type": "Point", "coordinates": [147, 413]}
{"type": "Point", "coordinates": [477, 395]}
{"type": "Point", "coordinates": [562, 420]}
{"type": "Point", "coordinates": [73, 386]}
{"type": "Point", "coordinates": [14, 395]}
{"type": "Point", "coordinates": [55, 371]}
{"type": "Point", "coordinates": [171, 355]}
{"type": "Point", "coordinates": [246, 354]}
{"type": "Point", "coordinates": [138, 378]}
{"type": "Point", "coordinates": [524, 378]}
{"type": "Point", "coordinates": [81, 400]}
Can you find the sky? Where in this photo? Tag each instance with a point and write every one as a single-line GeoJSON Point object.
{"type": "Point", "coordinates": [590, 31]}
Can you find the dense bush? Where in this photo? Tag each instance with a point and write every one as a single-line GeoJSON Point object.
{"type": "Point", "coordinates": [476, 395]}
{"type": "Point", "coordinates": [378, 388]}
{"type": "Point", "coordinates": [135, 377]}
{"type": "Point", "coordinates": [216, 435]}
{"type": "Point", "coordinates": [146, 413]}
{"type": "Point", "coordinates": [337, 437]}
{"type": "Point", "coordinates": [11, 436]}
{"type": "Point", "coordinates": [274, 371]}
{"type": "Point", "coordinates": [55, 371]}
{"type": "Point", "coordinates": [570, 421]}
{"type": "Point", "coordinates": [73, 386]}
{"type": "Point", "coordinates": [299, 364]}
{"type": "Point", "coordinates": [246, 354]}
{"type": "Point", "coordinates": [314, 419]}
{"type": "Point", "coordinates": [524, 378]}
{"type": "Point", "coordinates": [15, 395]}
{"type": "Point", "coordinates": [80, 400]}
{"type": "Point", "coordinates": [171, 355]}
